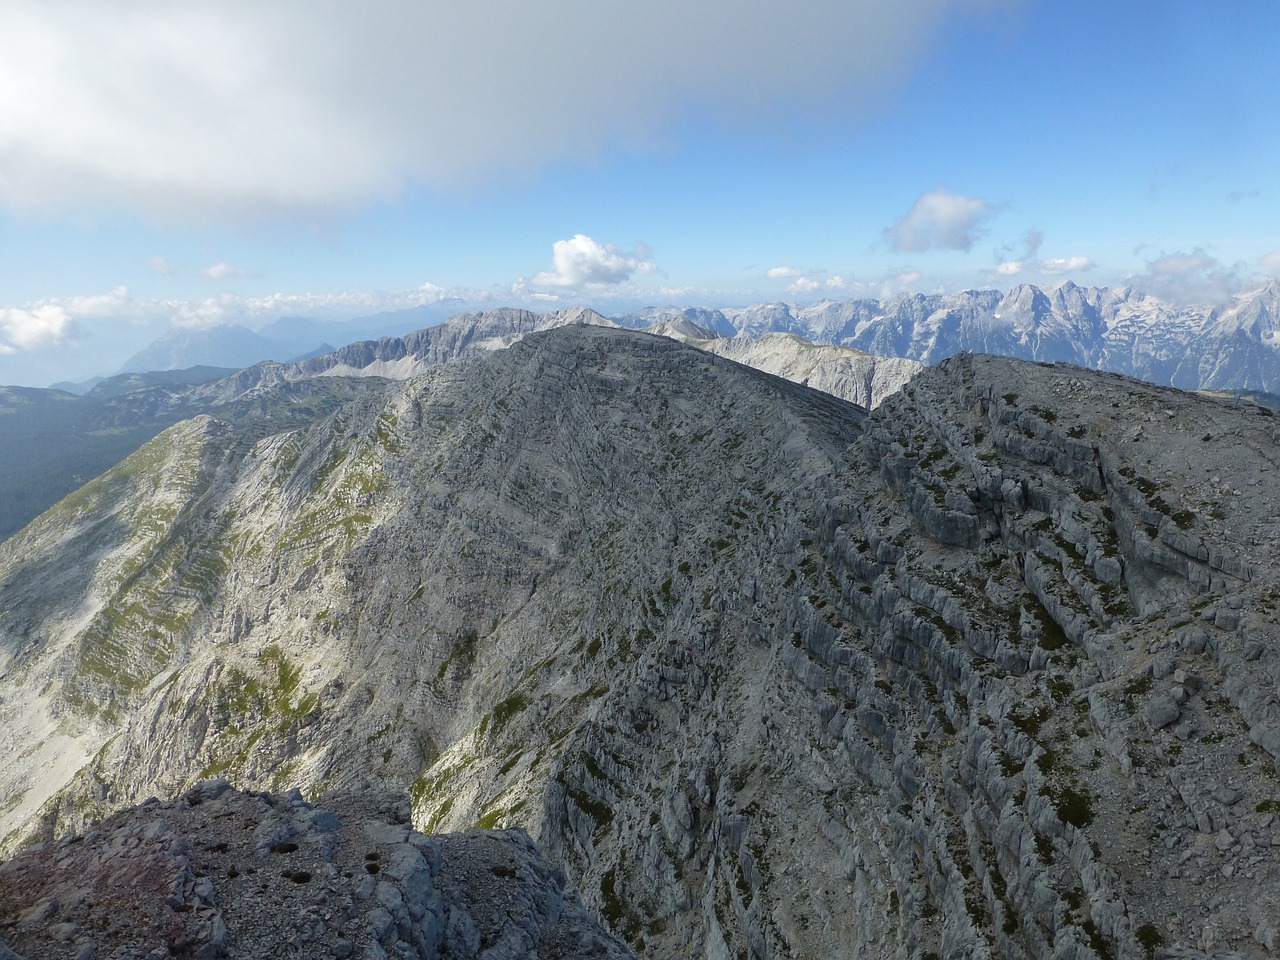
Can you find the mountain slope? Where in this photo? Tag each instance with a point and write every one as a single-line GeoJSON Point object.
{"type": "Point", "coordinates": [54, 442]}
{"type": "Point", "coordinates": [765, 673]}
{"type": "Point", "coordinates": [849, 374]}
{"type": "Point", "coordinates": [56, 445]}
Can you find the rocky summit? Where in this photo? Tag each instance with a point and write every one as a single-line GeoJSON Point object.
{"type": "Point", "coordinates": [989, 671]}
{"type": "Point", "coordinates": [220, 873]}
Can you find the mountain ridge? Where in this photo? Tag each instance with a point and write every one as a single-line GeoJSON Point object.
{"type": "Point", "coordinates": [762, 671]}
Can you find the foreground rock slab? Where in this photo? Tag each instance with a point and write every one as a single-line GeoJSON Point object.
{"type": "Point", "coordinates": [224, 873]}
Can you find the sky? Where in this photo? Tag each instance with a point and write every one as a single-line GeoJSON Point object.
{"type": "Point", "coordinates": [209, 163]}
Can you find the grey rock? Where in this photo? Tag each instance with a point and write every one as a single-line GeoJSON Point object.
{"type": "Point", "coordinates": [1225, 795]}
{"type": "Point", "coordinates": [520, 909]}
{"type": "Point", "coordinates": [1161, 711]}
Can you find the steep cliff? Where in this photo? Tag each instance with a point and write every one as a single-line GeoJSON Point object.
{"type": "Point", "coordinates": [990, 669]}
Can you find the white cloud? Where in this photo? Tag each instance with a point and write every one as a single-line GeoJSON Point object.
{"type": "Point", "coordinates": [782, 273]}
{"type": "Point", "coordinates": [1009, 268]}
{"type": "Point", "coordinates": [940, 219]}
{"type": "Point", "coordinates": [44, 325]}
{"type": "Point", "coordinates": [805, 285]}
{"type": "Point", "coordinates": [1058, 265]}
{"type": "Point", "coordinates": [582, 262]}
{"type": "Point", "coordinates": [1270, 261]}
{"type": "Point", "coordinates": [238, 108]}
{"type": "Point", "coordinates": [223, 271]}
{"type": "Point", "coordinates": [836, 283]}
{"type": "Point", "coordinates": [55, 322]}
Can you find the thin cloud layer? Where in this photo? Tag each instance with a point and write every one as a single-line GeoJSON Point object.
{"type": "Point", "coordinates": [940, 219]}
{"type": "Point", "coordinates": [582, 262]}
{"type": "Point", "coordinates": [236, 108]}
{"type": "Point", "coordinates": [223, 271]}
{"type": "Point", "coordinates": [1055, 266]}
{"type": "Point", "coordinates": [1191, 278]}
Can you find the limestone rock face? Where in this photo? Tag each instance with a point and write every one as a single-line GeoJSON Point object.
{"type": "Point", "coordinates": [843, 372]}
{"type": "Point", "coordinates": [220, 873]}
{"type": "Point", "coordinates": [987, 671]}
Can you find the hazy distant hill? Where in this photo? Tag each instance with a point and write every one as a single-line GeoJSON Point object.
{"type": "Point", "coordinates": [286, 339]}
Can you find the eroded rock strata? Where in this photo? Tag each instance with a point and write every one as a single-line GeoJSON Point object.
{"type": "Point", "coordinates": [990, 671]}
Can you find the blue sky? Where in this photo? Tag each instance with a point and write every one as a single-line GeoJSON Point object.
{"type": "Point", "coordinates": [229, 163]}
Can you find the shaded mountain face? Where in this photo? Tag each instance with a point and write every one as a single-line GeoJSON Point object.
{"type": "Point", "coordinates": [1234, 347]}
{"type": "Point", "coordinates": [990, 669]}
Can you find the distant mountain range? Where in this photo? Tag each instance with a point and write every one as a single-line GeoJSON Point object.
{"type": "Point", "coordinates": [1233, 347]}
{"type": "Point", "coordinates": [1119, 329]}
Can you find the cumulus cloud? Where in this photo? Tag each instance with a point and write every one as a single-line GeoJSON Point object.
{"type": "Point", "coordinates": [940, 219]}
{"type": "Point", "coordinates": [1009, 268]}
{"type": "Point", "coordinates": [235, 108]}
{"type": "Point", "coordinates": [805, 285]}
{"type": "Point", "coordinates": [56, 322]}
{"type": "Point", "coordinates": [223, 271]}
{"type": "Point", "coordinates": [836, 283]}
{"type": "Point", "coordinates": [45, 325]}
{"type": "Point", "coordinates": [1060, 265]}
{"type": "Point", "coordinates": [1270, 261]}
{"type": "Point", "coordinates": [782, 273]}
{"type": "Point", "coordinates": [583, 262]}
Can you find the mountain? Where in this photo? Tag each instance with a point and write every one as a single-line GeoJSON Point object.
{"type": "Point", "coordinates": [1235, 347]}
{"type": "Point", "coordinates": [78, 388]}
{"type": "Point", "coordinates": [231, 346]}
{"type": "Point", "coordinates": [220, 873]}
{"type": "Point", "coordinates": [986, 671]}
{"type": "Point", "coordinates": [56, 446]}
{"type": "Point", "coordinates": [54, 441]}
{"type": "Point", "coordinates": [282, 340]}
{"type": "Point", "coordinates": [462, 335]}
{"type": "Point", "coordinates": [123, 383]}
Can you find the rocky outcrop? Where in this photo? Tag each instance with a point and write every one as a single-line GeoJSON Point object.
{"type": "Point", "coordinates": [221, 873]}
{"type": "Point", "coordinates": [986, 671]}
